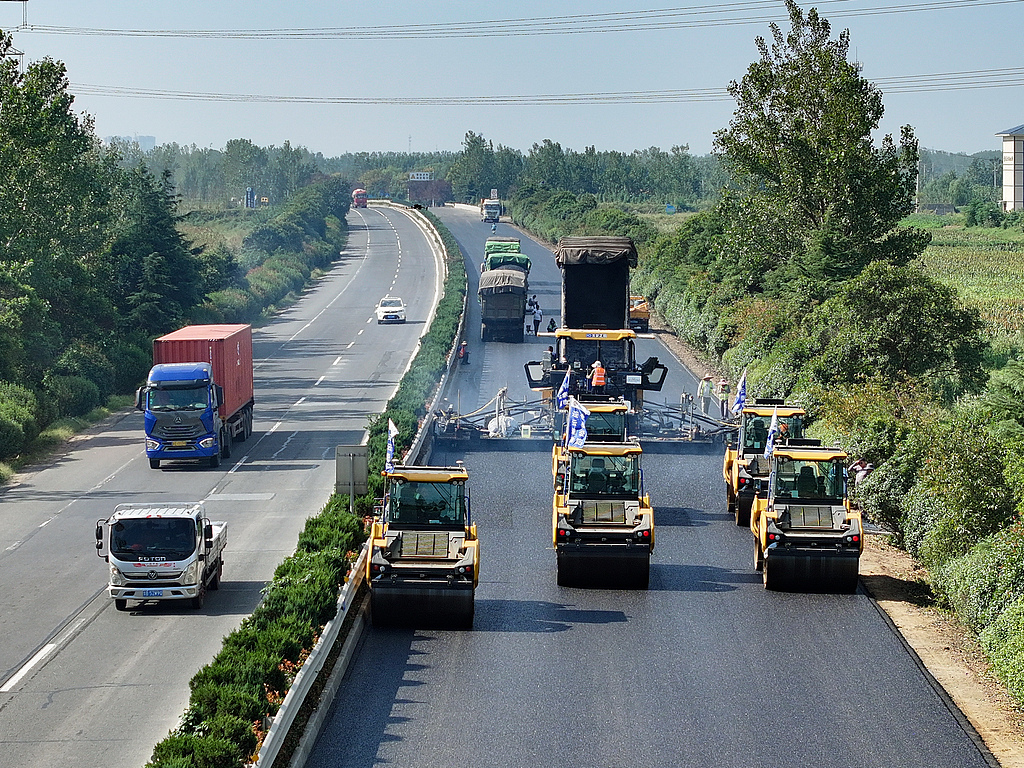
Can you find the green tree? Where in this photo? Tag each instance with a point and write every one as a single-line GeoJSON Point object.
{"type": "Point", "coordinates": [816, 199]}
{"type": "Point", "coordinates": [472, 174]}
{"type": "Point", "coordinates": [895, 322]}
{"type": "Point", "coordinates": [244, 165]}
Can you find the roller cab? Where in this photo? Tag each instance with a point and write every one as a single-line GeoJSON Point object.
{"type": "Point", "coordinates": [424, 554]}
{"type": "Point", "coordinates": [807, 537]}
{"type": "Point", "coordinates": [603, 524]}
{"type": "Point", "coordinates": [744, 468]}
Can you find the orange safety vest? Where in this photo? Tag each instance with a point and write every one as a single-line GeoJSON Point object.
{"type": "Point", "coordinates": [598, 379]}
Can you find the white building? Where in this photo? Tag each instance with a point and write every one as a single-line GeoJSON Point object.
{"type": "Point", "coordinates": [1013, 168]}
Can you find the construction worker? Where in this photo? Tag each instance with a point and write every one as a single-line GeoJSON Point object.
{"type": "Point", "coordinates": [538, 318]}
{"type": "Point", "coordinates": [722, 392]}
{"type": "Point", "coordinates": [464, 353]}
{"type": "Point", "coordinates": [705, 391]}
{"type": "Point", "coordinates": [597, 378]}
{"type": "Point", "coordinates": [546, 358]}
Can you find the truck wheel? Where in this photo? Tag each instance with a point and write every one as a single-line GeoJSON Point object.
{"type": "Point", "coordinates": [215, 581]}
{"type": "Point", "coordinates": [225, 444]}
{"type": "Point", "coordinates": [154, 463]}
{"type": "Point", "coordinates": [248, 424]}
{"type": "Point", "coordinates": [197, 601]}
{"type": "Point", "coordinates": [215, 460]}
{"type": "Point", "coordinates": [121, 605]}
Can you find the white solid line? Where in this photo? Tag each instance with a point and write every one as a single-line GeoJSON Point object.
{"type": "Point", "coordinates": [241, 461]}
{"type": "Point", "coordinates": [43, 653]}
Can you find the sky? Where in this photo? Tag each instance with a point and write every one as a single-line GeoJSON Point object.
{"type": "Point", "coordinates": [487, 50]}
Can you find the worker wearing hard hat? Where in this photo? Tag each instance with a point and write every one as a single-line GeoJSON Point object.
{"type": "Point", "coordinates": [597, 377]}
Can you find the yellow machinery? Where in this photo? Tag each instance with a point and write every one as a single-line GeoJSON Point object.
{"type": "Point", "coordinates": [639, 314]}
{"type": "Point", "coordinates": [424, 555]}
{"type": "Point", "coordinates": [745, 469]}
{"type": "Point", "coordinates": [603, 524]}
{"type": "Point", "coordinates": [806, 535]}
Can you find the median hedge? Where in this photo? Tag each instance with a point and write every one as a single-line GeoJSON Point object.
{"type": "Point", "coordinates": [246, 682]}
{"type": "Point", "coordinates": [234, 695]}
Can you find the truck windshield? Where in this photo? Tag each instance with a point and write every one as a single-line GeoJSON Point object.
{"type": "Point", "coordinates": [415, 503]}
{"type": "Point", "coordinates": [798, 479]}
{"type": "Point", "coordinates": [148, 537]}
{"type": "Point", "coordinates": [617, 476]}
{"type": "Point", "coordinates": [184, 399]}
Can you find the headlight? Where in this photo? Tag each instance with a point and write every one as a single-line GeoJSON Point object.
{"type": "Point", "coordinates": [190, 574]}
{"type": "Point", "coordinates": [116, 577]}
{"type": "Point", "coordinates": [207, 442]}
{"type": "Point", "coordinates": [152, 445]}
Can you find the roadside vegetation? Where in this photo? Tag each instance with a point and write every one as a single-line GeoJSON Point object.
{"type": "Point", "coordinates": [94, 265]}
{"type": "Point", "coordinates": [901, 333]}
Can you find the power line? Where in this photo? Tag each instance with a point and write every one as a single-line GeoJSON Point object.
{"type": "Point", "coordinates": [943, 81]}
{"type": "Point", "coordinates": [728, 14]}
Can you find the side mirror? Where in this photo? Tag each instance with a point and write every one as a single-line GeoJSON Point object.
{"type": "Point", "coordinates": [99, 534]}
{"type": "Point", "coordinates": [140, 394]}
{"type": "Point", "coordinates": [218, 394]}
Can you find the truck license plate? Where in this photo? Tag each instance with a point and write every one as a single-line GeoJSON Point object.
{"type": "Point", "coordinates": [152, 593]}
{"type": "Point", "coordinates": [179, 443]}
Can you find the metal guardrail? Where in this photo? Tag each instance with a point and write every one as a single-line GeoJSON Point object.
{"type": "Point", "coordinates": [314, 664]}
{"type": "Point", "coordinates": [311, 669]}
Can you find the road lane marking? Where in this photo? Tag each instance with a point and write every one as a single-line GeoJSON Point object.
{"type": "Point", "coordinates": [320, 379]}
{"type": "Point", "coordinates": [241, 461]}
{"type": "Point", "coordinates": [45, 651]}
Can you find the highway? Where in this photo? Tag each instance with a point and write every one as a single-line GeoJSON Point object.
{"type": "Point", "coordinates": [706, 668]}
{"type": "Point", "coordinates": [80, 683]}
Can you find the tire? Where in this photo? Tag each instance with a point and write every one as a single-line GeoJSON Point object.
{"type": "Point", "coordinates": [758, 556]}
{"type": "Point", "coordinates": [215, 581]}
{"type": "Point", "coordinates": [769, 576]}
{"type": "Point", "coordinates": [198, 600]}
{"type": "Point", "coordinates": [154, 463]}
{"type": "Point", "coordinates": [120, 604]}
{"type": "Point", "coordinates": [214, 460]}
{"type": "Point", "coordinates": [225, 443]}
{"type": "Point", "coordinates": [742, 516]}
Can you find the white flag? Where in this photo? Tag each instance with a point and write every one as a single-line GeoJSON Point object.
{"type": "Point", "coordinates": [773, 432]}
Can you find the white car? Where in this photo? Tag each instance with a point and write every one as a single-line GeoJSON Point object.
{"type": "Point", "coordinates": [391, 309]}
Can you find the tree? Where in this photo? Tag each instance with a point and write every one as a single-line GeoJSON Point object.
{"type": "Point", "coordinates": [815, 197]}
{"type": "Point", "coordinates": [896, 322]}
{"type": "Point", "coordinates": [472, 174]}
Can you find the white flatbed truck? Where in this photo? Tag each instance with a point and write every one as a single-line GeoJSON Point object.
{"type": "Point", "coordinates": [161, 552]}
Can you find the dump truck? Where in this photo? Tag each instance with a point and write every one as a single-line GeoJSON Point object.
{"type": "Point", "coordinates": [639, 314]}
{"type": "Point", "coordinates": [167, 551]}
{"type": "Point", "coordinates": [490, 209]}
{"type": "Point", "coordinates": [503, 286]}
{"type": "Point", "coordinates": [807, 536]}
{"type": "Point", "coordinates": [595, 281]}
{"type": "Point", "coordinates": [424, 562]}
{"type": "Point", "coordinates": [603, 524]}
{"type": "Point", "coordinates": [745, 469]}
{"type": "Point", "coordinates": [198, 397]}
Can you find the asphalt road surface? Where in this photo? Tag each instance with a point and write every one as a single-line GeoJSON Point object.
{"type": "Point", "coordinates": [705, 668]}
{"type": "Point", "coordinates": [84, 685]}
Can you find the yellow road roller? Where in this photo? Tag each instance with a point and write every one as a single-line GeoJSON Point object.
{"type": "Point", "coordinates": [603, 524]}
{"type": "Point", "coordinates": [424, 559]}
{"type": "Point", "coordinates": [745, 469]}
{"type": "Point", "coordinates": [807, 537]}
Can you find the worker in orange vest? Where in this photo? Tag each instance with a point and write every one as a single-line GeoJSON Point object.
{"type": "Point", "coordinates": [597, 377]}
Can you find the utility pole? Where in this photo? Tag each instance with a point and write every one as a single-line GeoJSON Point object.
{"type": "Point", "coordinates": [24, 11]}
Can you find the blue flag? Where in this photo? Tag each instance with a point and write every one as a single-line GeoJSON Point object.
{"type": "Point", "coordinates": [773, 432]}
{"type": "Point", "coordinates": [576, 434]}
{"type": "Point", "coordinates": [562, 396]}
{"type": "Point", "coordinates": [741, 395]}
{"type": "Point", "coordinates": [389, 459]}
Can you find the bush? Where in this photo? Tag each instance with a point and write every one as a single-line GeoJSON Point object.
{"type": "Point", "coordinates": [131, 365]}
{"type": "Point", "coordinates": [72, 395]}
{"type": "Point", "coordinates": [89, 362]}
{"type": "Point", "coordinates": [1003, 641]}
{"type": "Point", "coordinates": [19, 423]}
{"type": "Point", "coordinates": [980, 585]}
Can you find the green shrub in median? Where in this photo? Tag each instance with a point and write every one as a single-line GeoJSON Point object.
{"type": "Point", "coordinates": [1003, 641]}
{"type": "Point", "coordinates": [247, 679]}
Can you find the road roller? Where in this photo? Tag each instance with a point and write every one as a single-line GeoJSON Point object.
{"type": "Point", "coordinates": [807, 537]}
{"type": "Point", "coordinates": [745, 469]}
{"type": "Point", "coordinates": [603, 524]}
{"type": "Point", "coordinates": [424, 559]}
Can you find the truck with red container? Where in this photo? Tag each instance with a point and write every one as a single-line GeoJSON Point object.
{"type": "Point", "coordinates": [198, 397]}
{"type": "Point", "coordinates": [359, 198]}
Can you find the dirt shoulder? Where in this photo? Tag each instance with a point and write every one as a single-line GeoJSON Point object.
{"type": "Point", "coordinates": [945, 648]}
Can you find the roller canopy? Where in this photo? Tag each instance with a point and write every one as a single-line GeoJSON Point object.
{"type": "Point", "coordinates": [595, 250]}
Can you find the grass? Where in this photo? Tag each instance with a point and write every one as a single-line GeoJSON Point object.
{"type": "Point", "coordinates": [57, 434]}
{"type": "Point", "coordinates": [666, 223]}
